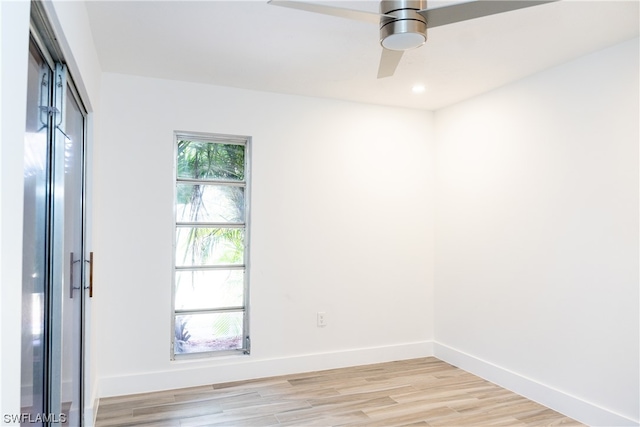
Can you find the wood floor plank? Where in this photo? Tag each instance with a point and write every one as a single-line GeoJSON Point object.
{"type": "Point", "coordinates": [417, 392]}
{"type": "Point", "coordinates": [305, 414]}
{"type": "Point", "coordinates": [362, 396]}
{"type": "Point", "coordinates": [147, 400]}
{"type": "Point", "coordinates": [219, 395]}
{"type": "Point", "coordinates": [299, 393]}
{"type": "Point", "coordinates": [261, 421]}
{"type": "Point", "coordinates": [403, 414]}
{"type": "Point", "coordinates": [176, 409]}
{"type": "Point", "coordinates": [367, 387]}
{"type": "Point", "coordinates": [231, 417]}
{"type": "Point", "coordinates": [142, 423]}
{"type": "Point", "coordinates": [329, 419]}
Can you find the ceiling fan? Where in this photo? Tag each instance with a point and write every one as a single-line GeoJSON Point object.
{"type": "Point", "coordinates": [404, 23]}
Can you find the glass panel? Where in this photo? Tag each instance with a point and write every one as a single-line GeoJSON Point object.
{"type": "Point", "coordinates": [209, 289]}
{"type": "Point", "coordinates": [35, 231]}
{"type": "Point", "coordinates": [73, 247]}
{"type": "Point", "coordinates": [209, 246]}
{"type": "Point", "coordinates": [197, 333]}
{"type": "Point", "coordinates": [209, 203]}
{"type": "Point", "coordinates": [209, 160]}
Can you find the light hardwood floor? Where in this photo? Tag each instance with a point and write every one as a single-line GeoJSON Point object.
{"type": "Point", "coordinates": [417, 392]}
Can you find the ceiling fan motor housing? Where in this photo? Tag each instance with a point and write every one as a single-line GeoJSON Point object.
{"type": "Point", "coordinates": [407, 29]}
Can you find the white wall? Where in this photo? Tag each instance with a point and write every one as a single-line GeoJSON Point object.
{"type": "Point", "coordinates": [14, 37]}
{"type": "Point", "coordinates": [537, 236]}
{"type": "Point", "coordinates": [342, 222]}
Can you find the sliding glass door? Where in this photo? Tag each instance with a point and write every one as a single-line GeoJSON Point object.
{"type": "Point", "coordinates": [54, 259]}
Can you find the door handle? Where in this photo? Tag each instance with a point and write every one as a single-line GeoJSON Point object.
{"type": "Point", "coordinates": [90, 287]}
{"type": "Point", "coordinates": [71, 287]}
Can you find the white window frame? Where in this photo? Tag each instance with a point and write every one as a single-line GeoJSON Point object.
{"type": "Point", "coordinates": [227, 140]}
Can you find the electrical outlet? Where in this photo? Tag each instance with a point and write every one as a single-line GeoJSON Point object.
{"type": "Point", "coordinates": [322, 319]}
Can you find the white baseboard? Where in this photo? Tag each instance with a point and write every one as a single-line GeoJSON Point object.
{"type": "Point", "coordinates": [564, 403]}
{"type": "Point", "coordinates": [237, 368]}
{"type": "Point", "coordinates": [91, 411]}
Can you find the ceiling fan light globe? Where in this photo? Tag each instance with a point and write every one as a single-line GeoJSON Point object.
{"type": "Point", "coordinates": [403, 41]}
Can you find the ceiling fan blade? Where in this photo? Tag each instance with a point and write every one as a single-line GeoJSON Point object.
{"type": "Point", "coordinates": [389, 62]}
{"type": "Point", "coordinates": [474, 9]}
{"type": "Point", "coordinates": [358, 15]}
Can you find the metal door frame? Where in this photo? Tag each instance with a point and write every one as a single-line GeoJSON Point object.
{"type": "Point", "coordinates": [44, 38]}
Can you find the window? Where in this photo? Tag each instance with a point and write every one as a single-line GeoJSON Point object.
{"type": "Point", "coordinates": [210, 283]}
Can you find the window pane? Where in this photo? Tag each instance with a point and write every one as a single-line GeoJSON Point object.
{"type": "Point", "coordinates": [208, 160]}
{"type": "Point", "coordinates": [211, 234]}
{"type": "Point", "coordinates": [197, 333]}
{"type": "Point", "coordinates": [209, 203]}
{"type": "Point", "coordinates": [197, 246]}
{"type": "Point", "coordinates": [209, 289]}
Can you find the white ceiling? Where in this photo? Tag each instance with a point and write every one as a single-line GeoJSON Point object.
{"type": "Point", "coordinates": [254, 45]}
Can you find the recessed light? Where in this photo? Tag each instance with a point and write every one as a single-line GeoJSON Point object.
{"type": "Point", "coordinates": [418, 88]}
